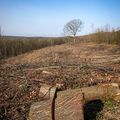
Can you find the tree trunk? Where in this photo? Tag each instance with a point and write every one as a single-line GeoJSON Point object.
{"type": "Point", "coordinates": [69, 104]}
{"type": "Point", "coordinates": [74, 39]}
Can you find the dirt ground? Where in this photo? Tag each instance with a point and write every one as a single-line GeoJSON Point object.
{"type": "Point", "coordinates": [73, 65]}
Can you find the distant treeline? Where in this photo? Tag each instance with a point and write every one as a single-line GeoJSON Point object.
{"type": "Point", "coordinates": [14, 46]}
{"type": "Point", "coordinates": [104, 36]}
{"type": "Point", "coordinates": [108, 37]}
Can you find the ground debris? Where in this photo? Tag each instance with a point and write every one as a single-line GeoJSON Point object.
{"type": "Point", "coordinates": [73, 66]}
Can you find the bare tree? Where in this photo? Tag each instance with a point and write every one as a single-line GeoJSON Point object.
{"type": "Point", "coordinates": [73, 27]}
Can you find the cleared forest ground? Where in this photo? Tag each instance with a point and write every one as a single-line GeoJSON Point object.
{"type": "Point", "coordinates": [73, 65]}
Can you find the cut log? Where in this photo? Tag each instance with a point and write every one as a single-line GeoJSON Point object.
{"type": "Point", "coordinates": [69, 104]}
{"type": "Point", "coordinates": [67, 107]}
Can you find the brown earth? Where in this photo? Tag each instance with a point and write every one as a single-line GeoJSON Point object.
{"type": "Point", "coordinates": [73, 65]}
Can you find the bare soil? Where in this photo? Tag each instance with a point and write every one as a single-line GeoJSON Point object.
{"type": "Point", "coordinates": [73, 65]}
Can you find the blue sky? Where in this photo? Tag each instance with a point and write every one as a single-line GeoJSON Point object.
{"type": "Point", "coordinates": [48, 17]}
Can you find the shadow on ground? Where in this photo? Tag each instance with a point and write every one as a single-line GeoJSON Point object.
{"type": "Point", "coordinates": [92, 109]}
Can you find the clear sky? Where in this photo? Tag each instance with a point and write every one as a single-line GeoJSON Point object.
{"type": "Point", "coordinates": [48, 17]}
